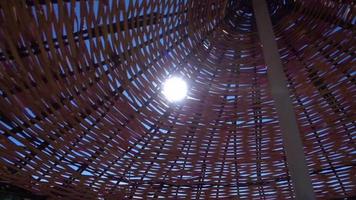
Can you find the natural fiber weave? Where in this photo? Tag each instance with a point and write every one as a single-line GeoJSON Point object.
{"type": "Point", "coordinates": [83, 116]}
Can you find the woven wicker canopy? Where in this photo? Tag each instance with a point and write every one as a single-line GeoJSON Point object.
{"type": "Point", "coordinates": [83, 116]}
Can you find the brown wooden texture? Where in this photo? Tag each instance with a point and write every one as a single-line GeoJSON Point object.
{"type": "Point", "coordinates": [83, 116]}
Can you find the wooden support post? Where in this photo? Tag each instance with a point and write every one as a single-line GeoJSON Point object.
{"type": "Point", "coordinates": [291, 138]}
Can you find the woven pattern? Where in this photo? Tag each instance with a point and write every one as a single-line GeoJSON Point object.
{"type": "Point", "coordinates": [82, 115]}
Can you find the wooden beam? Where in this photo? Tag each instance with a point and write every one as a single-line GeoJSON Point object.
{"type": "Point", "coordinates": [293, 146]}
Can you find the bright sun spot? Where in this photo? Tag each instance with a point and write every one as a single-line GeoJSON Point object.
{"type": "Point", "coordinates": [175, 89]}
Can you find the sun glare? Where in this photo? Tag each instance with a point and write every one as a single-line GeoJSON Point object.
{"type": "Point", "coordinates": [175, 89]}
